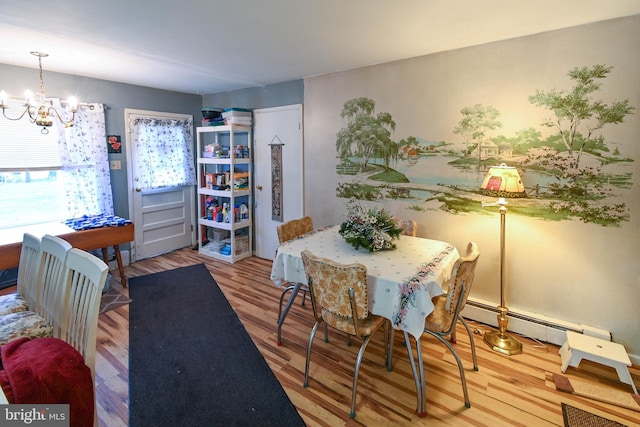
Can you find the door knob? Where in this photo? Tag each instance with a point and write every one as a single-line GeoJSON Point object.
{"type": "Point", "coordinates": [259, 187]}
{"type": "Point", "coordinates": [138, 189]}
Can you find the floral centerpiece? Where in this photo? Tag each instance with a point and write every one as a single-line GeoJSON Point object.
{"type": "Point", "coordinates": [373, 229]}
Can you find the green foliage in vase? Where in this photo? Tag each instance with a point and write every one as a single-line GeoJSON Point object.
{"type": "Point", "coordinates": [373, 229]}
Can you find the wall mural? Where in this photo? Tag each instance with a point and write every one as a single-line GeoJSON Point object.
{"type": "Point", "coordinates": [575, 173]}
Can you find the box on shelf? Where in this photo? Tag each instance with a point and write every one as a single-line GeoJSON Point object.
{"type": "Point", "coordinates": [243, 121]}
{"type": "Point", "coordinates": [237, 116]}
{"type": "Point", "coordinates": [226, 249]}
{"type": "Point", "coordinates": [242, 244]}
{"type": "Point", "coordinates": [216, 246]}
{"type": "Point", "coordinates": [236, 112]}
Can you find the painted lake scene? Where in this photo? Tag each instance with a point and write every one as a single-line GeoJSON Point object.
{"type": "Point", "coordinates": [573, 173]}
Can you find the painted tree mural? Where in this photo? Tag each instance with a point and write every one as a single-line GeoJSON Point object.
{"type": "Point", "coordinates": [577, 159]}
{"type": "Point", "coordinates": [574, 172]}
{"type": "Point", "coordinates": [475, 123]}
{"type": "Point", "coordinates": [366, 134]}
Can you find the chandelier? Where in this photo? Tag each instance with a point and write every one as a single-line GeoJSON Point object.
{"type": "Point", "coordinates": [40, 111]}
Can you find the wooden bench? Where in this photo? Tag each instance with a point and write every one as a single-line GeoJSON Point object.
{"type": "Point", "coordinates": [88, 240]}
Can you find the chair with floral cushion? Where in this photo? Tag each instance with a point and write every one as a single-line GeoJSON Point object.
{"type": "Point", "coordinates": [409, 227]}
{"type": "Point", "coordinates": [26, 287]}
{"type": "Point", "coordinates": [442, 321]}
{"type": "Point", "coordinates": [339, 299]}
{"type": "Point", "coordinates": [38, 321]}
{"type": "Point", "coordinates": [288, 231]}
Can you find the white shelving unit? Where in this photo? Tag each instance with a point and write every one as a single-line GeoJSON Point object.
{"type": "Point", "coordinates": [225, 178]}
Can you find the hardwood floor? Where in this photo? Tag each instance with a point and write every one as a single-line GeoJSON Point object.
{"type": "Point", "coordinates": [506, 391]}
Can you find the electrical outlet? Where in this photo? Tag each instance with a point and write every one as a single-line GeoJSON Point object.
{"type": "Point", "coordinates": [115, 164]}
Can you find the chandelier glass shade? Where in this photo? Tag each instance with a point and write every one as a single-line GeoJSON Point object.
{"type": "Point", "coordinates": [38, 109]}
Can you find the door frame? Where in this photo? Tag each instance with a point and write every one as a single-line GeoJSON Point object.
{"type": "Point", "coordinates": [128, 112]}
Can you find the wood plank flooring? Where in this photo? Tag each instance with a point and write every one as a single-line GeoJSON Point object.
{"type": "Point", "coordinates": [506, 391]}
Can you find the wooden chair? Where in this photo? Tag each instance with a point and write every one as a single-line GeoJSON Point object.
{"type": "Point", "coordinates": [442, 321]}
{"type": "Point", "coordinates": [74, 330]}
{"type": "Point", "coordinates": [339, 299]}
{"type": "Point", "coordinates": [46, 308]}
{"type": "Point", "coordinates": [84, 278]}
{"type": "Point", "coordinates": [288, 231]}
{"type": "Point", "coordinates": [26, 288]}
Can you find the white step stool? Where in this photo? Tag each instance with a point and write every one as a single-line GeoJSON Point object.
{"type": "Point", "coordinates": [579, 346]}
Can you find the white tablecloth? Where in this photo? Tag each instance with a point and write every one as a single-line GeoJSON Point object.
{"type": "Point", "coordinates": [401, 281]}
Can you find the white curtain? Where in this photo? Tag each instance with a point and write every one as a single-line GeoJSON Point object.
{"type": "Point", "coordinates": [165, 152]}
{"type": "Point", "coordinates": [84, 161]}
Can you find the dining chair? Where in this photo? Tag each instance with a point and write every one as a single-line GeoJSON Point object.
{"type": "Point", "coordinates": [442, 321]}
{"type": "Point", "coordinates": [45, 310]}
{"type": "Point", "coordinates": [409, 227]}
{"type": "Point", "coordinates": [288, 231]}
{"type": "Point", "coordinates": [26, 286]}
{"type": "Point", "coordinates": [339, 299]}
{"type": "Point", "coordinates": [50, 281]}
{"type": "Point", "coordinates": [74, 332]}
{"type": "Point", "coordinates": [84, 279]}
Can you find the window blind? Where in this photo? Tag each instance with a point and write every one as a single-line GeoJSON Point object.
{"type": "Point", "coordinates": [22, 144]}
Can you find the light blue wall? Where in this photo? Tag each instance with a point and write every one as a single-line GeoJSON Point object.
{"type": "Point", "coordinates": [116, 97]}
{"type": "Point", "coordinates": [275, 95]}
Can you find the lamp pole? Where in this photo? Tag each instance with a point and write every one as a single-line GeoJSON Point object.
{"type": "Point", "coordinates": [500, 340]}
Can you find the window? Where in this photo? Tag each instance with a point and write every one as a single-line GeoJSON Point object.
{"type": "Point", "coordinates": [29, 165]}
{"type": "Point", "coordinates": [55, 176]}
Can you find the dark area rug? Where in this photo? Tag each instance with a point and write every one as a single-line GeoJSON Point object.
{"type": "Point", "coordinates": [575, 417]}
{"type": "Point", "coordinates": [192, 363]}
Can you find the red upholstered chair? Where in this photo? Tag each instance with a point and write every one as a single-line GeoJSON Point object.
{"type": "Point", "coordinates": [48, 371]}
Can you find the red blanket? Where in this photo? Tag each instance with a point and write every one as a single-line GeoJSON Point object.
{"type": "Point", "coordinates": [47, 371]}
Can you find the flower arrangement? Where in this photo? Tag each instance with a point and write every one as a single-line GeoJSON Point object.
{"type": "Point", "coordinates": [373, 229]}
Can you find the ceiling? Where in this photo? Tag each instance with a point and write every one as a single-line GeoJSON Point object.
{"type": "Point", "coordinates": [210, 46]}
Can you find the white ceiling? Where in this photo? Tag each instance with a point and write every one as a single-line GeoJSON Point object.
{"type": "Point", "coordinates": [209, 46]}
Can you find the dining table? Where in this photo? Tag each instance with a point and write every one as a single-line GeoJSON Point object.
{"type": "Point", "coordinates": [401, 281]}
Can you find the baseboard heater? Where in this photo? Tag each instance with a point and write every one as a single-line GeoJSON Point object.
{"type": "Point", "coordinates": [531, 325]}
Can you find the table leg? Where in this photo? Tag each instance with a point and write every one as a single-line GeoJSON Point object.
{"type": "Point", "coordinates": [105, 256]}
{"type": "Point", "coordinates": [123, 278]}
{"type": "Point", "coordinates": [418, 375]}
{"type": "Point", "coordinates": [292, 298]}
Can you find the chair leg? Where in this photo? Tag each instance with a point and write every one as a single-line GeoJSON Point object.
{"type": "Point", "coordinates": [363, 347]}
{"type": "Point", "coordinates": [283, 315]}
{"type": "Point", "coordinates": [472, 342]}
{"type": "Point", "coordinates": [463, 380]}
{"type": "Point", "coordinates": [306, 366]}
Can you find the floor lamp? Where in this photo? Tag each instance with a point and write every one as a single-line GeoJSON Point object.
{"type": "Point", "coordinates": [502, 181]}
